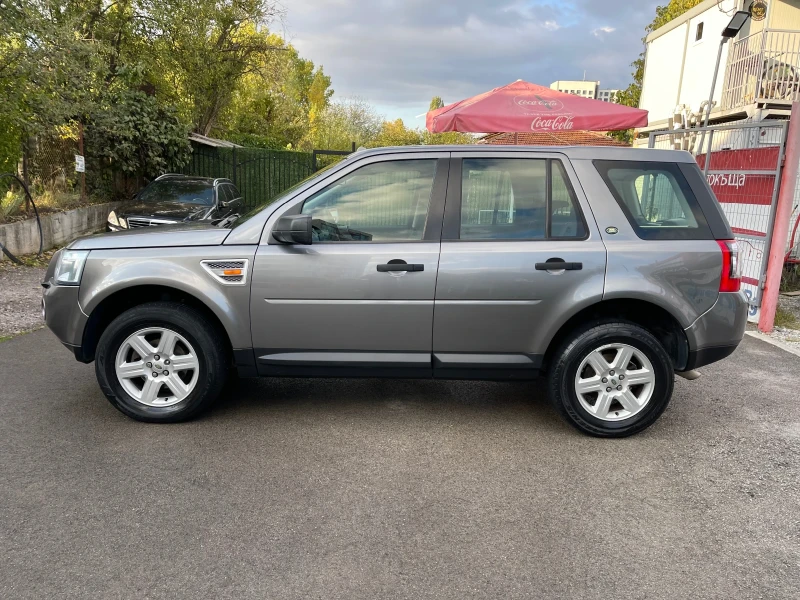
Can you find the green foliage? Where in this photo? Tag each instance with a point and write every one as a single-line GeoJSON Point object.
{"type": "Point", "coordinates": [395, 133]}
{"type": "Point", "coordinates": [436, 102]}
{"type": "Point", "coordinates": [133, 132]}
{"type": "Point", "coordinates": [342, 123]}
{"type": "Point", "coordinates": [447, 139]}
{"type": "Point", "coordinates": [275, 105]}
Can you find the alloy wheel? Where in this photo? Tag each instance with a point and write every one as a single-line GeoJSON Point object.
{"type": "Point", "coordinates": [615, 382]}
{"type": "Point", "coordinates": [157, 367]}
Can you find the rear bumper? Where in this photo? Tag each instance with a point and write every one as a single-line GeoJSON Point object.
{"type": "Point", "coordinates": [706, 356]}
{"type": "Point", "coordinates": [718, 332]}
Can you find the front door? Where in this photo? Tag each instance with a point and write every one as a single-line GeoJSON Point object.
{"type": "Point", "coordinates": [520, 254]}
{"type": "Point", "coordinates": [359, 299]}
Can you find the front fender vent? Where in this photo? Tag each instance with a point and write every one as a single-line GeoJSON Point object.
{"type": "Point", "coordinates": [229, 271]}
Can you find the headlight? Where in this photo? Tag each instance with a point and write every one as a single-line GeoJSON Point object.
{"type": "Point", "coordinates": [70, 266]}
{"type": "Point", "coordinates": [112, 218]}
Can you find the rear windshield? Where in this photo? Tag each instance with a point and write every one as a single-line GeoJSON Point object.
{"type": "Point", "coordinates": [656, 199]}
{"type": "Point", "coordinates": [184, 192]}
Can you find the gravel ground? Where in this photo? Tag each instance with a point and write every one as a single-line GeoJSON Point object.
{"type": "Point", "coordinates": [20, 299]}
{"type": "Point", "coordinates": [789, 336]}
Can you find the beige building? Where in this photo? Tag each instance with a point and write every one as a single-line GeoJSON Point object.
{"type": "Point", "coordinates": [584, 89]}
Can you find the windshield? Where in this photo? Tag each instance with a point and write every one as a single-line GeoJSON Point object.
{"type": "Point", "coordinates": [179, 191]}
{"type": "Point", "coordinates": [253, 212]}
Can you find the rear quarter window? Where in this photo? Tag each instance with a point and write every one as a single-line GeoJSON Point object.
{"type": "Point", "coordinates": [656, 198]}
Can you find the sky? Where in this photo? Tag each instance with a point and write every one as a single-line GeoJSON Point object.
{"type": "Point", "coordinates": [398, 54]}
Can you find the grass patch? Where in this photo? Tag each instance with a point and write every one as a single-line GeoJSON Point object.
{"type": "Point", "coordinates": [5, 338]}
{"type": "Point", "coordinates": [12, 203]}
{"type": "Point", "coordinates": [30, 260]}
{"type": "Point", "coordinates": [790, 281]}
{"type": "Point", "coordinates": [786, 319]}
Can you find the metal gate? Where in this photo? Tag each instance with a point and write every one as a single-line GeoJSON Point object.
{"type": "Point", "coordinates": [259, 173]}
{"type": "Point", "coordinates": [742, 163]}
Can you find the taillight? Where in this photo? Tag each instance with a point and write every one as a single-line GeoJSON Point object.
{"type": "Point", "coordinates": [731, 280]}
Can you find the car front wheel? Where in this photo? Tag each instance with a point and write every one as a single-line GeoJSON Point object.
{"type": "Point", "coordinates": [161, 362]}
{"type": "Point", "coordinates": [611, 380]}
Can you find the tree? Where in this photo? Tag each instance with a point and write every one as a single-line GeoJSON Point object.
{"type": "Point", "coordinates": [342, 123]}
{"type": "Point", "coordinates": [136, 135]}
{"type": "Point", "coordinates": [436, 102]}
{"type": "Point", "coordinates": [395, 133]}
{"type": "Point", "coordinates": [203, 49]}
{"type": "Point", "coordinates": [272, 106]}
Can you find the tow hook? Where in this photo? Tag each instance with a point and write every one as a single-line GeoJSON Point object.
{"type": "Point", "coordinates": [688, 375]}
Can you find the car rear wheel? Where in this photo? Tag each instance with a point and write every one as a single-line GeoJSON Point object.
{"type": "Point", "coordinates": [611, 380]}
{"type": "Point", "coordinates": [161, 362]}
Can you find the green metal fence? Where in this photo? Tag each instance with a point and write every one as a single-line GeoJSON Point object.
{"type": "Point", "coordinates": [259, 173]}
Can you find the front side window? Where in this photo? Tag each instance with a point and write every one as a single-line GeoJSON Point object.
{"type": "Point", "coordinates": [381, 202]}
{"type": "Point", "coordinates": [656, 199]}
{"type": "Point", "coordinates": [513, 198]}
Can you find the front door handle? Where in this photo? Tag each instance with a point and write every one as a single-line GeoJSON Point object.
{"type": "Point", "coordinates": [399, 265]}
{"type": "Point", "coordinates": [558, 264]}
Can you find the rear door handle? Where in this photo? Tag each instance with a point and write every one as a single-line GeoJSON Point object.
{"type": "Point", "coordinates": [399, 267]}
{"type": "Point", "coordinates": [556, 264]}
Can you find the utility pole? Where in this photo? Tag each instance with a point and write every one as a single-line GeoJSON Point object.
{"type": "Point", "coordinates": [780, 230]}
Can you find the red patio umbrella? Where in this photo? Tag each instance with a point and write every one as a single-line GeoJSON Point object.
{"type": "Point", "coordinates": [523, 106]}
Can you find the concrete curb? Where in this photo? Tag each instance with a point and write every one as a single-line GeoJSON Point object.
{"type": "Point", "coordinates": [777, 343]}
{"type": "Point", "coordinates": [57, 229]}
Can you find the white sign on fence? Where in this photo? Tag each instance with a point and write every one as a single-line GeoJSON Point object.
{"type": "Point", "coordinates": [80, 164]}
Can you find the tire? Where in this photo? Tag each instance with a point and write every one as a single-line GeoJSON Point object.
{"type": "Point", "coordinates": [200, 359]}
{"type": "Point", "coordinates": [631, 406]}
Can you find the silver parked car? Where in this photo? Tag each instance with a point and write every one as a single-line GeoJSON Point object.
{"type": "Point", "coordinates": [608, 270]}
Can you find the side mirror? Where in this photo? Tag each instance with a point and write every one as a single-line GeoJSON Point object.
{"type": "Point", "coordinates": [293, 229]}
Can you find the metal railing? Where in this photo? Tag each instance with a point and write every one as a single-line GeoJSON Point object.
{"type": "Point", "coordinates": [763, 68]}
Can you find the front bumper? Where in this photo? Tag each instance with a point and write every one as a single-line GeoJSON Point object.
{"type": "Point", "coordinates": [63, 315]}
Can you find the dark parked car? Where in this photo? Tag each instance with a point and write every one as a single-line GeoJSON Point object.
{"type": "Point", "coordinates": [177, 198]}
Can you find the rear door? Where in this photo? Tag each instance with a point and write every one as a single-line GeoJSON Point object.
{"type": "Point", "coordinates": [520, 254]}
{"type": "Point", "coordinates": [359, 300]}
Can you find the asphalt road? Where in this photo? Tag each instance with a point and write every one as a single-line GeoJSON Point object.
{"type": "Point", "coordinates": [384, 489]}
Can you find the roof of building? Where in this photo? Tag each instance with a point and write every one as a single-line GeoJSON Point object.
{"type": "Point", "coordinates": [213, 142]}
{"type": "Point", "coordinates": [678, 21]}
{"type": "Point", "coordinates": [555, 138]}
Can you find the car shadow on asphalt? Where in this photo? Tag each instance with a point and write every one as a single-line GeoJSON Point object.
{"type": "Point", "coordinates": [513, 400]}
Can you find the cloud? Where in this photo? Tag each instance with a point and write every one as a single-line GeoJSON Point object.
{"type": "Point", "coordinates": [601, 30]}
{"type": "Point", "coordinates": [397, 54]}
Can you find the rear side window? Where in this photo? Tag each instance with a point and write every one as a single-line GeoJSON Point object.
{"type": "Point", "coordinates": [656, 199]}
{"type": "Point", "coordinates": [517, 199]}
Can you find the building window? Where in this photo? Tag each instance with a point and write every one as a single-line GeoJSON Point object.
{"type": "Point", "coordinates": [699, 33]}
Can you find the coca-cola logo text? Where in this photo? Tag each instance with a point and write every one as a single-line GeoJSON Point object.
{"type": "Point", "coordinates": [537, 104]}
{"type": "Point", "coordinates": [552, 123]}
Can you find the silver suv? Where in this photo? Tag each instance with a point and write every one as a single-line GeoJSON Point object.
{"type": "Point", "coordinates": [608, 270]}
